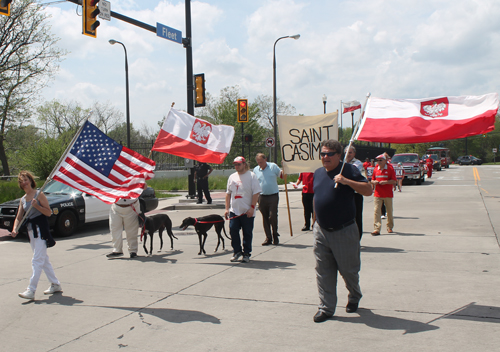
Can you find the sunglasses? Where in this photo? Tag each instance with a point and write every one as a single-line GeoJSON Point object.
{"type": "Point", "coordinates": [323, 154]}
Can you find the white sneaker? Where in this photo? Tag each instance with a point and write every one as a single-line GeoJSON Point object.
{"type": "Point", "coordinates": [236, 257]}
{"type": "Point", "coordinates": [28, 294]}
{"type": "Point", "coordinates": [384, 217]}
{"type": "Point", "coordinates": [53, 289]}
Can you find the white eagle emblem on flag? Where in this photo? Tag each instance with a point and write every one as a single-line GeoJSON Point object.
{"type": "Point", "coordinates": [201, 131]}
{"type": "Point", "coordinates": [435, 107]}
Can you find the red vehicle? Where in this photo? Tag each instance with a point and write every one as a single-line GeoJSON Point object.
{"type": "Point", "coordinates": [443, 153]}
{"type": "Point", "coordinates": [413, 167]}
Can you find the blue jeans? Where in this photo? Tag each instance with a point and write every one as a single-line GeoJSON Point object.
{"type": "Point", "coordinates": [244, 223]}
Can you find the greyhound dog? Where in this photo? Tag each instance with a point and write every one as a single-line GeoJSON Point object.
{"type": "Point", "coordinates": [151, 224]}
{"type": "Point", "coordinates": [202, 225]}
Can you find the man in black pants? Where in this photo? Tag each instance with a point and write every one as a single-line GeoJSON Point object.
{"type": "Point", "coordinates": [201, 172]}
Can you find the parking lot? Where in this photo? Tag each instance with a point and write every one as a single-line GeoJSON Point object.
{"type": "Point", "coordinates": [432, 285]}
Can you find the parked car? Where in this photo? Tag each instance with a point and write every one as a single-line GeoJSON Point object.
{"type": "Point", "coordinates": [414, 168]}
{"type": "Point", "coordinates": [436, 165]}
{"type": "Point", "coordinates": [72, 208]}
{"type": "Point", "coordinates": [468, 160]}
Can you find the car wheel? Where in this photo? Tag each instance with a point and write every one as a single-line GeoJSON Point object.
{"type": "Point", "coordinates": [65, 223]}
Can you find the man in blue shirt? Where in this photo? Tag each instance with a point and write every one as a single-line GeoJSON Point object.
{"type": "Point", "coordinates": [336, 237]}
{"type": "Point", "coordinates": [268, 174]}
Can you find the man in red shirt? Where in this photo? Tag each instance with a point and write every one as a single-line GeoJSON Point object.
{"type": "Point", "coordinates": [383, 180]}
{"type": "Point", "coordinates": [307, 179]}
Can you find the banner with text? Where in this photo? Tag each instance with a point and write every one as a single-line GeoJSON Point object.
{"type": "Point", "coordinates": [301, 137]}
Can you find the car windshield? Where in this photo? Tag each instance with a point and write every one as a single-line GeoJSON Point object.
{"type": "Point", "coordinates": [404, 159]}
{"type": "Point", "coordinates": [55, 187]}
{"type": "Point", "coordinates": [434, 156]}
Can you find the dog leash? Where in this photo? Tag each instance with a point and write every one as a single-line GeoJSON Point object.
{"type": "Point", "coordinates": [207, 222]}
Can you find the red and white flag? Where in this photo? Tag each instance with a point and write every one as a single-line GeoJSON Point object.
{"type": "Point", "coordinates": [351, 106]}
{"type": "Point", "coordinates": [189, 137]}
{"type": "Point", "coordinates": [98, 165]}
{"type": "Point", "coordinates": [427, 120]}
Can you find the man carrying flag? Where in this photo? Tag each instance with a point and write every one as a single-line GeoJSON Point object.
{"type": "Point", "coordinates": [98, 165]}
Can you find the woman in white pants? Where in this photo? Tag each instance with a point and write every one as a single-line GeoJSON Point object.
{"type": "Point", "coordinates": [37, 218]}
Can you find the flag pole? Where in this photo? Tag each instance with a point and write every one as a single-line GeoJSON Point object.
{"type": "Point", "coordinates": [63, 156]}
{"type": "Point", "coordinates": [288, 206]}
{"type": "Point", "coordinates": [357, 126]}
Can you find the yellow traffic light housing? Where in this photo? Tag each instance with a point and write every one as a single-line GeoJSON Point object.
{"type": "Point", "coordinates": [90, 22]}
{"type": "Point", "coordinates": [242, 110]}
{"type": "Point", "coordinates": [199, 84]}
{"type": "Point", "coordinates": [5, 7]}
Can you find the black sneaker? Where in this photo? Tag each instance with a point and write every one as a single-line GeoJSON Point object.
{"type": "Point", "coordinates": [114, 254]}
{"type": "Point", "coordinates": [133, 255]}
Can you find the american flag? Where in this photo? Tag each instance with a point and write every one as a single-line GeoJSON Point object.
{"type": "Point", "coordinates": [98, 165]}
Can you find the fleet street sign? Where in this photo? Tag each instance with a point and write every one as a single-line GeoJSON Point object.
{"type": "Point", "coordinates": [168, 33]}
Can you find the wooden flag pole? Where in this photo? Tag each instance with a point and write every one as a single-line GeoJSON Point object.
{"type": "Point", "coordinates": [288, 206]}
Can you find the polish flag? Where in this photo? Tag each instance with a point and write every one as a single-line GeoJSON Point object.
{"type": "Point", "coordinates": [351, 106]}
{"type": "Point", "coordinates": [427, 120]}
{"type": "Point", "coordinates": [192, 138]}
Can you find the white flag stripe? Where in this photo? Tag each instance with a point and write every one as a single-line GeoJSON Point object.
{"type": "Point", "coordinates": [70, 182]}
{"type": "Point", "coordinates": [138, 162]}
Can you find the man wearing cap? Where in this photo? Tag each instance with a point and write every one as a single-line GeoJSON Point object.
{"type": "Point", "coordinates": [242, 193]}
{"type": "Point", "coordinates": [383, 180]}
{"type": "Point", "coordinates": [268, 174]}
{"type": "Point", "coordinates": [336, 237]}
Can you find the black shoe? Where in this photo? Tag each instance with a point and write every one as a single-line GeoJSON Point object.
{"type": "Point", "coordinates": [267, 242]}
{"type": "Point", "coordinates": [133, 255]}
{"type": "Point", "coordinates": [276, 241]}
{"type": "Point", "coordinates": [305, 228]}
{"type": "Point", "coordinates": [209, 202]}
{"type": "Point", "coordinates": [351, 307]}
{"type": "Point", "coordinates": [199, 202]}
{"type": "Point", "coordinates": [321, 317]}
{"type": "Point", "coordinates": [114, 254]}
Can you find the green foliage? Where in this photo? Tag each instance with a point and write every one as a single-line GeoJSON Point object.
{"type": "Point", "coordinates": [44, 155]}
{"type": "Point", "coordinates": [9, 189]}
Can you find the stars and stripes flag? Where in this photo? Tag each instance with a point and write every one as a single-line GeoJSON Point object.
{"type": "Point", "coordinates": [427, 120]}
{"type": "Point", "coordinates": [351, 106]}
{"type": "Point", "coordinates": [190, 137]}
{"type": "Point", "coordinates": [98, 165]}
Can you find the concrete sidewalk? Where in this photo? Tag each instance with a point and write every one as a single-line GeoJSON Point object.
{"type": "Point", "coordinates": [431, 286]}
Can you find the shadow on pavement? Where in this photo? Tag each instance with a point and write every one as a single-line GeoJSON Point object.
{"type": "Point", "coordinates": [259, 264]}
{"type": "Point", "coordinates": [367, 317]}
{"type": "Point", "coordinates": [381, 250]}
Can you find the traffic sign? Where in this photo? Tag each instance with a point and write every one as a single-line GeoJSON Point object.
{"type": "Point", "coordinates": [270, 142]}
{"type": "Point", "coordinates": [494, 150]}
{"type": "Point", "coordinates": [168, 33]}
{"type": "Point", "coordinates": [105, 10]}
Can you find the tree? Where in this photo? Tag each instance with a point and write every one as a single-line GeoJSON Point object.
{"type": "Point", "coordinates": [28, 59]}
{"type": "Point", "coordinates": [56, 117]}
{"type": "Point", "coordinates": [265, 112]}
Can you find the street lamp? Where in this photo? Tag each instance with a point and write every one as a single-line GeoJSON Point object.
{"type": "Point", "coordinates": [324, 104]}
{"type": "Point", "coordinates": [113, 42]}
{"type": "Point", "coordinates": [296, 36]}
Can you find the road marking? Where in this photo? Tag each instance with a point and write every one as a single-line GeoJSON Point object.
{"type": "Point", "coordinates": [476, 175]}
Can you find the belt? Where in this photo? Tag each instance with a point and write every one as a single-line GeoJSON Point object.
{"type": "Point", "coordinates": [268, 195]}
{"type": "Point", "coordinates": [341, 226]}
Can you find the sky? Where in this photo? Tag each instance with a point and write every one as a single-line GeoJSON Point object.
{"type": "Point", "coordinates": [389, 48]}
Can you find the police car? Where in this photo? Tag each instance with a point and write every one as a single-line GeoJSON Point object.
{"type": "Point", "coordinates": [72, 208]}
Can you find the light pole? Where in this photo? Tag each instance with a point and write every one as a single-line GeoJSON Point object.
{"type": "Point", "coordinates": [113, 42]}
{"type": "Point", "coordinates": [296, 36]}
{"type": "Point", "coordinates": [324, 104]}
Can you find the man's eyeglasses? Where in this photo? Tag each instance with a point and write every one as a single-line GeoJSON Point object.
{"type": "Point", "coordinates": [323, 154]}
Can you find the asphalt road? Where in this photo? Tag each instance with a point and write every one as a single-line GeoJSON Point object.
{"type": "Point", "coordinates": [433, 285]}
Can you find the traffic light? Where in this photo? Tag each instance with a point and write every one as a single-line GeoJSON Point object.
{"type": "Point", "coordinates": [242, 110]}
{"type": "Point", "coordinates": [199, 84]}
{"type": "Point", "coordinates": [5, 7]}
{"type": "Point", "coordinates": [90, 22]}
{"type": "Point", "coordinates": [248, 138]}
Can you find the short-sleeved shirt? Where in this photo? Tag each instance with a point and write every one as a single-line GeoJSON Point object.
{"type": "Point", "coordinates": [386, 174]}
{"type": "Point", "coordinates": [242, 188]}
{"type": "Point", "coordinates": [307, 179]}
{"type": "Point", "coordinates": [335, 206]}
{"type": "Point", "coordinates": [202, 169]}
{"type": "Point", "coordinates": [268, 178]}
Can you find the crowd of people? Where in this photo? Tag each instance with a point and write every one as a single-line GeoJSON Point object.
{"type": "Point", "coordinates": [338, 187]}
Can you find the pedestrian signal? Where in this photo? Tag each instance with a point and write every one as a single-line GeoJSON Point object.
{"type": "Point", "coordinates": [242, 110]}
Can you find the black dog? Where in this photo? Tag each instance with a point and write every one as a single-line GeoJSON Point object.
{"type": "Point", "coordinates": [202, 225]}
{"type": "Point", "coordinates": [151, 224]}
